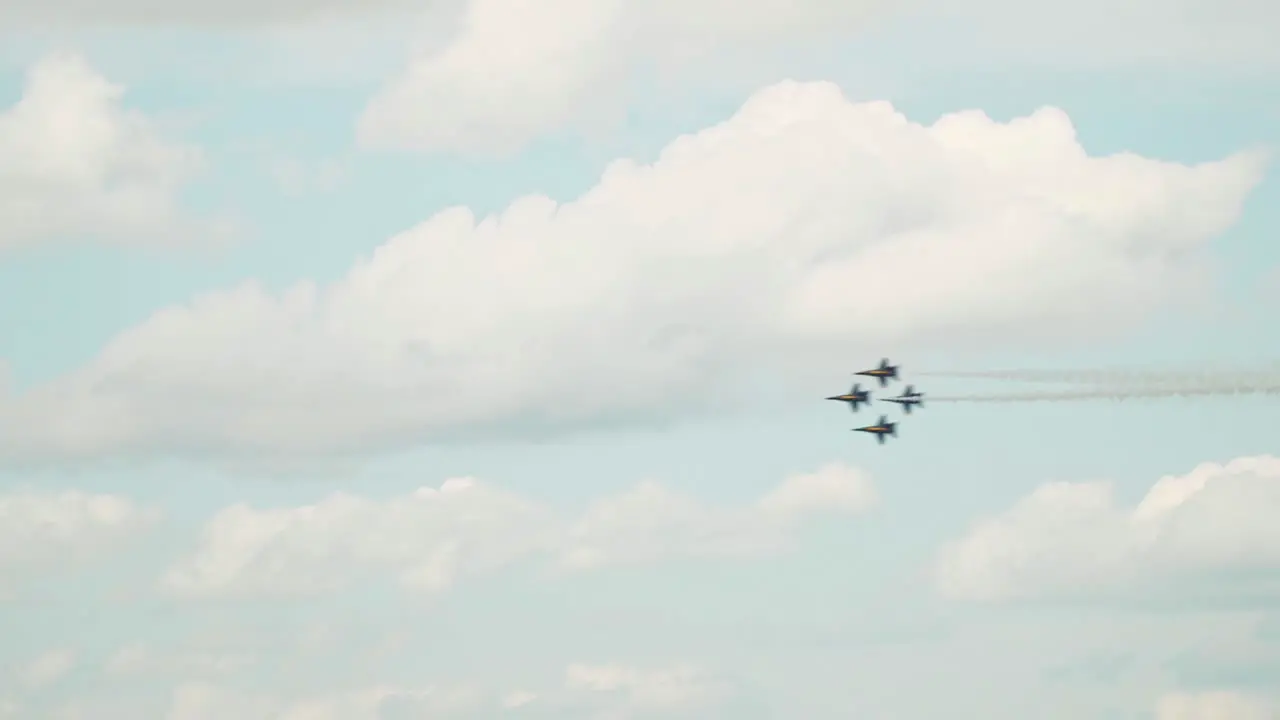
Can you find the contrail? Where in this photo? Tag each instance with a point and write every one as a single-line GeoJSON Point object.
{"type": "Point", "coordinates": [1266, 376]}
{"type": "Point", "coordinates": [1117, 393]}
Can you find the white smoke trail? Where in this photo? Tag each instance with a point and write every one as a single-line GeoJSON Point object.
{"type": "Point", "coordinates": [1120, 393]}
{"type": "Point", "coordinates": [1204, 377]}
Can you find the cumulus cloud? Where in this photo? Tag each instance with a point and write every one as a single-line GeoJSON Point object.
{"type": "Point", "coordinates": [432, 538]}
{"type": "Point", "coordinates": [759, 244]}
{"type": "Point", "coordinates": [128, 660]}
{"type": "Point", "coordinates": [600, 691]}
{"type": "Point", "coordinates": [206, 701]}
{"type": "Point", "coordinates": [197, 660]}
{"type": "Point", "coordinates": [18, 15]}
{"type": "Point", "coordinates": [680, 688]}
{"type": "Point", "coordinates": [1074, 537]}
{"type": "Point", "coordinates": [589, 691]}
{"type": "Point", "coordinates": [1215, 705]}
{"type": "Point", "coordinates": [42, 533]}
{"type": "Point", "coordinates": [48, 668]}
{"type": "Point", "coordinates": [76, 163]}
{"type": "Point", "coordinates": [652, 522]}
{"type": "Point", "coordinates": [517, 70]}
{"type": "Point", "coordinates": [427, 539]}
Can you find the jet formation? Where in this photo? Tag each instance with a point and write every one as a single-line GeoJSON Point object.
{"type": "Point", "coordinates": [856, 396]}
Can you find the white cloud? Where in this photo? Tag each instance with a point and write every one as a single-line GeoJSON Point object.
{"type": "Point", "coordinates": [1087, 664]}
{"type": "Point", "coordinates": [192, 661]}
{"type": "Point", "coordinates": [519, 698]}
{"type": "Point", "coordinates": [427, 539]}
{"type": "Point", "coordinates": [834, 487]}
{"type": "Point", "coordinates": [651, 522]}
{"type": "Point", "coordinates": [432, 538]}
{"type": "Point", "coordinates": [201, 700]}
{"type": "Point", "coordinates": [48, 668]}
{"type": "Point", "coordinates": [679, 688]}
{"type": "Point", "coordinates": [74, 162]}
{"type": "Point", "coordinates": [19, 15]}
{"type": "Point", "coordinates": [1072, 537]}
{"type": "Point", "coordinates": [595, 691]}
{"type": "Point", "coordinates": [385, 702]}
{"type": "Point", "coordinates": [1215, 705]}
{"type": "Point", "coordinates": [46, 532]}
{"type": "Point", "coordinates": [518, 70]}
{"type": "Point", "coordinates": [128, 660]}
{"type": "Point", "coordinates": [764, 243]}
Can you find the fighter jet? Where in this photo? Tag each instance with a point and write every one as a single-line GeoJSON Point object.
{"type": "Point", "coordinates": [882, 373]}
{"type": "Point", "coordinates": [880, 429]}
{"type": "Point", "coordinates": [854, 397]}
{"type": "Point", "coordinates": [908, 398]}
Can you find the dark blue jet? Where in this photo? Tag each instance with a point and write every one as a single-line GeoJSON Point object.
{"type": "Point", "coordinates": [880, 429]}
{"type": "Point", "coordinates": [882, 373]}
{"type": "Point", "coordinates": [854, 397]}
{"type": "Point", "coordinates": [908, 398]}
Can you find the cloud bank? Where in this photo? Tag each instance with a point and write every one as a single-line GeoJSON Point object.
{"type": "Point", "coordinates": [1073, 538]}
{"type": "Point", "coordinates": [44, 533]}
{"type": "Point", "coordinates": [784, 234]}
{"type": "Point", "coordinates": [432, 538]}
{"type": "Point", "coordinates": [516, 71]}
{"type": "Point", "coordinates": [612, 690]}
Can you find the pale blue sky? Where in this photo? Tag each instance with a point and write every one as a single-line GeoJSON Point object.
{"type": "Point", "coordinates": [846, 621]}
